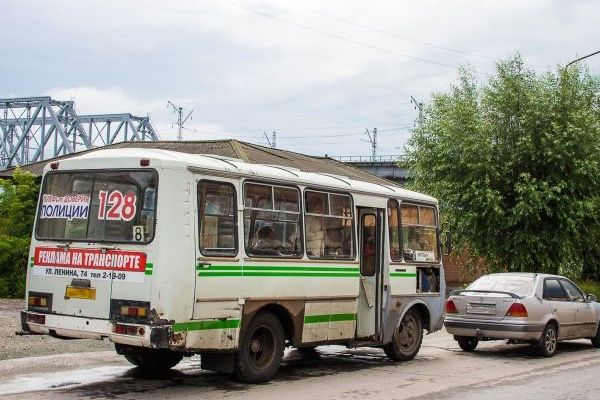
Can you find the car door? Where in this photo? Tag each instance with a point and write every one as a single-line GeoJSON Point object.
{"type": "Point", "coordinates": [562, 309]}
{"type": "Point", "coordinates": [585, 314]}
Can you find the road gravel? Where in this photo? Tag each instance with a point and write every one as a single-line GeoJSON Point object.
{"type": "Point", "coordinates": [15, 346]}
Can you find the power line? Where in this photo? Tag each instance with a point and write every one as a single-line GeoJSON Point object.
{"type": "Point", "coordinates": [369, 28]}
{"type": "Point", "coordinates": [345, 39]}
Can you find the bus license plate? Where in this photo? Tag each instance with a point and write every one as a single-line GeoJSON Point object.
{"type": "Point", "coordinates": [80, 293]}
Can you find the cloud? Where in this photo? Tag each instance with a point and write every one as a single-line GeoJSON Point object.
{"type": "Point", "coordinates": [320, 70]}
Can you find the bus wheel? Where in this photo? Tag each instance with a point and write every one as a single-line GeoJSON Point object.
{"type": "Point", "coordinates": [261, 350]}
{"type": "Point", "coordinates": [152, 360]}
{"type": "Point", "coordinates": [407, 339]}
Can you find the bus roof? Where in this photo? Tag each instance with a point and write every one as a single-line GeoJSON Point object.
{"type": "Point", "coordinates": [128, 158]}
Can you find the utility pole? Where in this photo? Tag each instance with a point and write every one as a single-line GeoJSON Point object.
{"type": "Point", "coordinates": [180, 120]}
{"type": "Point", "coordinates": [373, 140]}
{"type": "Point", "coordinates": [419, 106]}
{"type": "Point", "coordinates": [273, 140]}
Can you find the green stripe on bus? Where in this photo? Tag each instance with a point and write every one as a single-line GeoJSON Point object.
{"type": "Point", "coordinates": [149, 268]}
{"type": "Point", "coordinates": [403, 275]}
{"type": "Point", "coordinates": [276, 268]}
{"type": "Point", "coordinates": [205, 325]}
{"type": "Point", "coordinates": [315, 319]}
{"type": "Point", "coordinates": [207, 274]}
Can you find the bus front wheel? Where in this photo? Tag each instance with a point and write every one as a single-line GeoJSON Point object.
{"type": "Point", "coordinates": [152, 360]}
{"type": "Point", "coordinates": [261, 350]}
{"type": "Point", "coordinates": [407, 338]}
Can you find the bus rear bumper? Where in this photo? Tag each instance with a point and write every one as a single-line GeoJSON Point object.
{"type": "Point", "coordinates": [70, 327]}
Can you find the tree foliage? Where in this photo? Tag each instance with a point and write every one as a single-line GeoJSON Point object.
{"type": "Point", "coordinates": [18, 199]}
{"type": "Point", "coordinates": [515, 163]}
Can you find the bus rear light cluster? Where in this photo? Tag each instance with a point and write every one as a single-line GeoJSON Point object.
{"type": "Point", "coordinates": [132, 330]}
{"type": "Point", "coordinates": [36, 318]}
{"type": "Point", "coordinates": [39, 301]}
{"type": "Point", "coordinates": [451, 307]}
{"type": "Point", "coordinates": [131, 311]}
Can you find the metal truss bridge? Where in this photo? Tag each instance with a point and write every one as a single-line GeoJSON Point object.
{"type": "Point", "coordinates": [38, 128]}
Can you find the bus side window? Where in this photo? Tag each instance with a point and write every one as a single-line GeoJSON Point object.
{"type": "Point", "coordinates": [394, 230]}
{"type": "Point", "coordinates": [329, 225]}
{"type": "Point", "coordinates": [419, 233]}
{"type": "Point", "coordinates": [272, 223]}
{"type": "Point", "coordinates": [217, 213]}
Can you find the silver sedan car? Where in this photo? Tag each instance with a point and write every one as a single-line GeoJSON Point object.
{"type": "Point", "coordinates": [537, 308]}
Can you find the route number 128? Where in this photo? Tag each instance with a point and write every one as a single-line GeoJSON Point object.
{"type": "Point", "coordinates": [121, 207]}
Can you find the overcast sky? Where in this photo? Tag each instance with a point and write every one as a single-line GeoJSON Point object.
{"type": "Point", "coordinates": [317, 72]}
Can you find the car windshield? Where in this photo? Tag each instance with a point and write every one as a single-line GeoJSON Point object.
{"type": "Point", "coordinates": [115, 206]}
{"type": "Point", "coordinates": [519, 285]}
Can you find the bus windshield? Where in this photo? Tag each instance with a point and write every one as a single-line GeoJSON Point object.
{"type": "Point", "coordinates": [115, 206]}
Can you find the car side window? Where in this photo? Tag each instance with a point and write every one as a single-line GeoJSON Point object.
{"type": "Point", "coordinates": [553, 290]}
{"type": "Point", "coordinates": [572, 291]}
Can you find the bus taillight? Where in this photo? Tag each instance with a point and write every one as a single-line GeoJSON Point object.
{"type": "Point", "coordinates": [132, 330]}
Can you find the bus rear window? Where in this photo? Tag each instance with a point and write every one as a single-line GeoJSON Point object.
{"type": "Point", "coordinates": [115, 206]}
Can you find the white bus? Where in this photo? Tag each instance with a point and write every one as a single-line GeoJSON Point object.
{"type": "Point", "coordinates": [169, 254]}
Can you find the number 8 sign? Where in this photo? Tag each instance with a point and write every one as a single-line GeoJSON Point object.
{"type": "Point", "coordinates": [122, 207]}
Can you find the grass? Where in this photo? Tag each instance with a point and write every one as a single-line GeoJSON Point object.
{"type": "Point", "coordinates": [590, 287]}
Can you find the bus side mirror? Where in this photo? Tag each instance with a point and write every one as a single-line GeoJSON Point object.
{"type": "Point", "coordinates": [447, 243]}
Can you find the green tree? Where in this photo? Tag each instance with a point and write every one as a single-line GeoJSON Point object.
{"type": "Point", "coordinates": [515, 163]}
{"type": "Point", "coordinates": [18, 198]}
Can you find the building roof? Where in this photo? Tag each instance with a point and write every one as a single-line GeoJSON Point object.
{"type": "Point", "coordinates": [247, 152]}
{"type": "Point", "coordinates": [208, 164]}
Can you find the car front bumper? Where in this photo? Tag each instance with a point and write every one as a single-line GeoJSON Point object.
{"type": "Point", "coordinates": [493, 329]}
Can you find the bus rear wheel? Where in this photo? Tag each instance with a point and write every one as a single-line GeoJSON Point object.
{"type": "Point", "coordinates": [261, 350]}
{"type": "Point", "coordinates": [151, 360]}
{"type": "Point", "coordinates": [407, 339]}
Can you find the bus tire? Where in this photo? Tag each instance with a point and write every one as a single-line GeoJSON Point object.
{"type": "Point", "coordinates": [261, 350]}
{"type": "Point", "coordinates": [151, 360]}
{"type": "Point", "coordinates": [407, 339]}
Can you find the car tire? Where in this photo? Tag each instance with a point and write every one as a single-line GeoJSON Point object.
{"type": "Point", "coordinates": [546, 345]}
{"type": "Point", "coordinates": [261, 350]}
{"type": "Point", "coordinates": [151, 360]}
{"type": "Point", "coordinates": [407, 339]}
{"type": "Point", "coordinates": [467, 343]}
{"type": "Point", "coordinates": [596, 339]}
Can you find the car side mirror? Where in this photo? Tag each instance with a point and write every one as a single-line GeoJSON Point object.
{"type": "Point", "coordinates": [447, 243]}
{"type": "Point", "coordinates": [591, 297]}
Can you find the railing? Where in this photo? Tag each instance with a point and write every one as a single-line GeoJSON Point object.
{"type": "Point", "coordinates": [365, 159]}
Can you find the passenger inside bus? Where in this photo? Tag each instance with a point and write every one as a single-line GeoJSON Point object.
{"type": "Point", "coordinates": [315, 232]}
{"type": "Point", "coordinates": [265, 243]}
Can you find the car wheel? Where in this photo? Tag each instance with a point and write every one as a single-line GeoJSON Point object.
{"type": "Point", "coordinates": [407, 339]}
{"type": "Point", "coordinates": [261, 350]}
{"type": "Point", "coordinates": [151, 360]}
{"type": "Point", "coordinates": [596, 339]}
{"type": "Point", "coordinates": [548, 341]}
{"type": "Point", "coordinates": [467, 343]}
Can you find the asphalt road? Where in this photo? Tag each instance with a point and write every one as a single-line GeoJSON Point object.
{"type": "Point", "coordinates": [440, 371]}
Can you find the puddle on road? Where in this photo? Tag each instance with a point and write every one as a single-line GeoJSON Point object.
{"type": "Point", "coordinates": [113, 381]}
{"type": "Point", "coordinates": [59, 380]}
